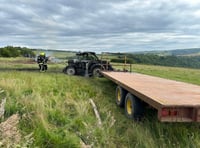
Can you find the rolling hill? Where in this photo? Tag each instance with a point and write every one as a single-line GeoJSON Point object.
{"type": "Point", "coordinates": [177, 52]}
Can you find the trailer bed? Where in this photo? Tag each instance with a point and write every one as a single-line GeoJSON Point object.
{"type": "Point", "coordinates": [161, 94]}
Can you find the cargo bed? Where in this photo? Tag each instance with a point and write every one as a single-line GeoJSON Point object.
{"type": "Point", "coordinates": [175, 101]}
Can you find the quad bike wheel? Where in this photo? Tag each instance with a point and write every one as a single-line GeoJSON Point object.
{"type": "Point", "coordinates": [96, 72]}
{"type": "Point", "coordinates": [70, 71]}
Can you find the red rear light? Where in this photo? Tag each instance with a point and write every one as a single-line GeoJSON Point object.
{"type": "Point", "coordinates": [173, 112]}
{"type": "Point", "coordinates": [165, 112]}
{"type": "Point", "coordinates": [168, 112]}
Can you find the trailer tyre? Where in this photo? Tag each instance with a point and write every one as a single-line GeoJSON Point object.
{"type": "Point", "coordinates": [120, 96]}
{"type": "Point", "coordinates": [133, 107]}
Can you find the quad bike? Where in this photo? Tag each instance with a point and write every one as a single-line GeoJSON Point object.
{"type": "Point", "coordinates": [86, 64]}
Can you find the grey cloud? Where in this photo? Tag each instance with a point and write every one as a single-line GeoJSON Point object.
{"type": "Point", "coordinates": [124, 25]}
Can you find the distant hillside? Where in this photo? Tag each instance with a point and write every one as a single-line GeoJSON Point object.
{"type": "Point", "coordinates": [177, 52]}
{"type": "Point", "coordinates": [173, 61]}
{"type": "Point", "coordinates": [174, 58]}
{"type": "Point", "coordinates": [186, 52]}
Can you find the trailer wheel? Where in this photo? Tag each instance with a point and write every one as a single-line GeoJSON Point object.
{"type": "Point", "coordinates": [133, 107]}
{"type": "Point", "coordinates": [120, 96]}
{"type": "Point", "coordinates": [70, 71]}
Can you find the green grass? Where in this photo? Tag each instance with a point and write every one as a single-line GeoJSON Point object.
{"type": "Point", "coordinates": [58, 54]}
{"type": "Point", "coordinates": [174, 73]}
{"type": "Point", "coordinates": [55, 108]}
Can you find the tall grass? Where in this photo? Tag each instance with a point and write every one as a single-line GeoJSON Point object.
{"type": "Point", "coordinates": [55, 111]}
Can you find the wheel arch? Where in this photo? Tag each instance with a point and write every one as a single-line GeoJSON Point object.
{"type": "Point", "coordinates": [91, 68]}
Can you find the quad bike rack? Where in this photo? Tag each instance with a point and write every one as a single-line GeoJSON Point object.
{"type": "Point", "coordinates": [125, 67]}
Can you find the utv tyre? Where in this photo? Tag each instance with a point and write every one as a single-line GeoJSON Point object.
{"type": "Point", "coordinates": [70, 71]}
{"type": "Point", "coordinates": [96, 72]}
{"type": "Point", "coordinates": [134, 108]}
{"type": "Point", "coordinates": [120, 96]}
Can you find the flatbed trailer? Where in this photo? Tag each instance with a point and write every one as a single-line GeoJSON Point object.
{"type": "Point", "coordinates": [174, 101]}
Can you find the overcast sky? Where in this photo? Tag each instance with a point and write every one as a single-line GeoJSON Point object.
{"type": "Point", "coordinates": [100, 25]}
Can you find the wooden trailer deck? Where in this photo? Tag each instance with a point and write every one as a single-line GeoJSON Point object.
{"type": "Point", "coordinates": [163, 94]}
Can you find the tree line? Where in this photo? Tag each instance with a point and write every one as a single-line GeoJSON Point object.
{"type": "Point", "coordinates": [152, 59]}
{"type": "Point", "coordinates": [10, 51]}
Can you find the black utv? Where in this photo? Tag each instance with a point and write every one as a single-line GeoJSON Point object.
{"type": "Point", "coordinates": [86, 64]}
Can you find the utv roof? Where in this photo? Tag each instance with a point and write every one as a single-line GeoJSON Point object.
{"type": "Point", "coordinates": [85, 52]}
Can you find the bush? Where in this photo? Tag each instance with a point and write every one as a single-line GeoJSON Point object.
{"type": "Point", "coordinates": [10, 51]}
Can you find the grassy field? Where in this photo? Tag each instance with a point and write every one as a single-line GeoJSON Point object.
{"type": "Point", "coordinates": [55, 110]}
{"type": "Point", "coordinates": [179, 74]}
{"type": "Point", "coordinates": [58, 54]}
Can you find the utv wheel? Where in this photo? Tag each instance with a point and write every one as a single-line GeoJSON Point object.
{"type": "Point", "coordinates": [120, 96]}
{"type": "Point", "coordinates": [133, 107]}
{"type": "Point", "coordinates": [70, 71]}
{"type": "Point", "coordinates": [96, 72]}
